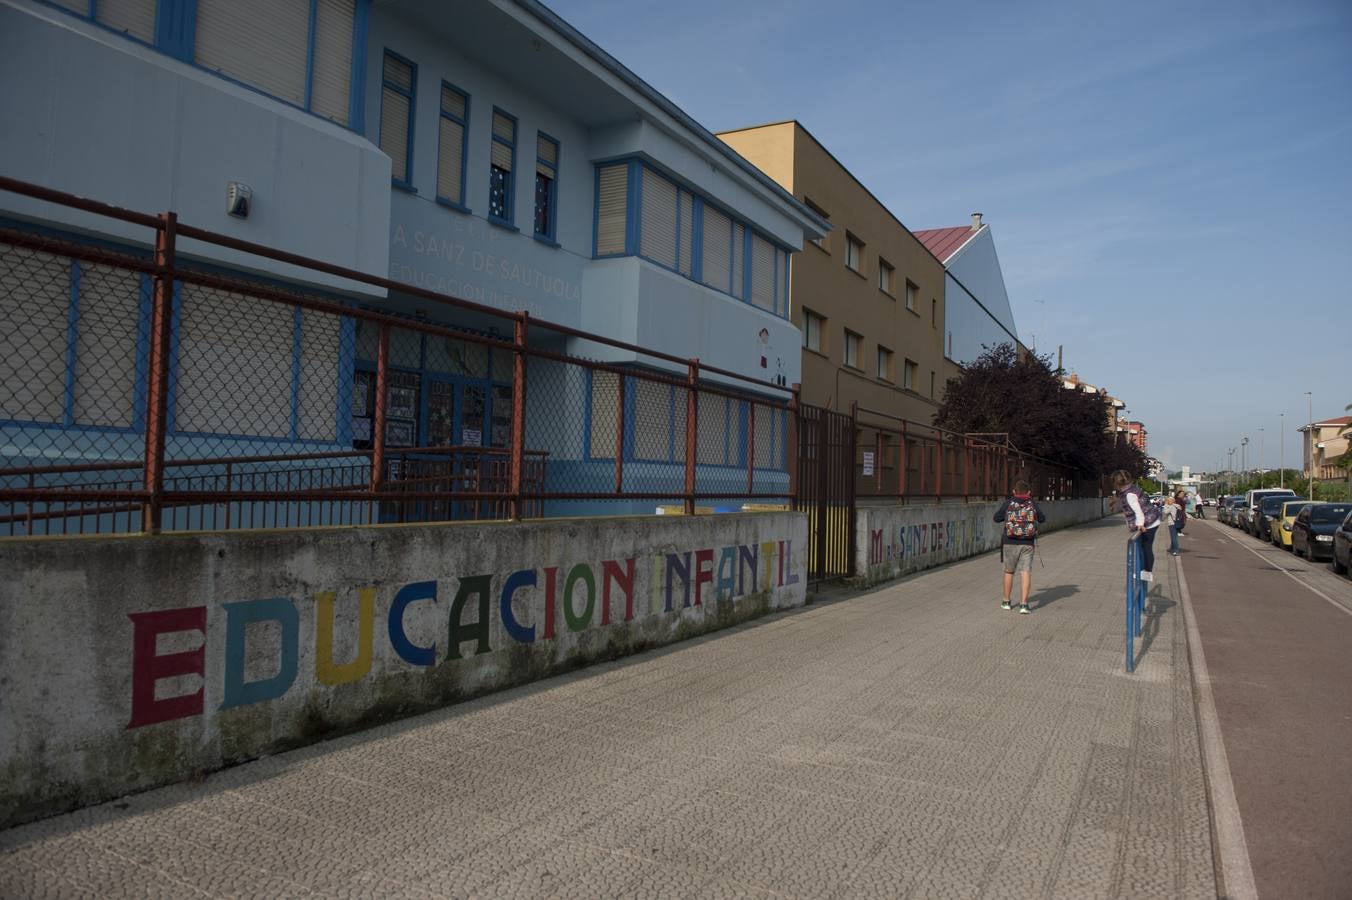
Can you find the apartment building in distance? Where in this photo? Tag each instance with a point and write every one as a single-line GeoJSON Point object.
{"type": "Point", "coordinates": [1332, 439]}
{"type": "Point", "coordinates": [868, 297]}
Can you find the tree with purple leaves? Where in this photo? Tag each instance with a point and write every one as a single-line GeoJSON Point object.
{"type": "Point", "coordinates": [1021, 395]}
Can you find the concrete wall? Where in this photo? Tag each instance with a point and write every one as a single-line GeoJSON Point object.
{"type": "Point", "coordinates": [891, 541]}
{"type": "Point", "coordinates": [127, 663]}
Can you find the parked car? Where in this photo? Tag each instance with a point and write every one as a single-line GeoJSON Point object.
{"type": "Point", "coordinates": [1281, 522]}
{"type": "Point", "coordinates": [1269, 508]}
{"type": "Point", "coordinates": [1342, 547]}
{"type": "Point", "coordinates": [1229, 508]}
{"type": "Point", "coordinates": [1312, 532]}
{"type": "Point", "coordinates": [1249, 516]}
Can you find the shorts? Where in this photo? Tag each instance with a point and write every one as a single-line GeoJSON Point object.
{"type": "Point", "coordinates": [1018, 558]}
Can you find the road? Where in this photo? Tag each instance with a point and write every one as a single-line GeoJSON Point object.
{"type": "Point", "coordinates": [1277, 636]}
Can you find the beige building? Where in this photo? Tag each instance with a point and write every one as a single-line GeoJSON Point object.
{"type": "Point", "coordinates": [1330, 442]}
{"type": "Point", "coordinates": [869, 297]}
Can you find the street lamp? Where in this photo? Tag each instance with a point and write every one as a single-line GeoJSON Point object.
{"type": "Point", "coordinates": [1262, 481]}
{"type": "Point", "coordinates": [1281, 454]}
{"type": "Point", "coordinates": [1309, 436]}
{"type": "Point", "coordinates": [1244, 454]}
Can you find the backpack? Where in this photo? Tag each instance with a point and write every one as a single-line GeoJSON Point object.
{"type": "Point", "coordinates": [1021, 520]}
{"type": "Point", "coordinates": [1149, 510]}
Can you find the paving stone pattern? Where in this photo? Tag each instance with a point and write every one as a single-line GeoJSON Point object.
{"type": "Point", "coordinates": [913, 741]}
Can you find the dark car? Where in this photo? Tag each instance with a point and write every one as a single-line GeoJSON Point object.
{"type": "Point", "coordinates": [1342, 546]}
{"type": "Point", "coordinates": [1232, 508]}
{"type": "Point", "coordinates": [1312, 532]}
{"type": "Point", "coordinates": [1267, 508]}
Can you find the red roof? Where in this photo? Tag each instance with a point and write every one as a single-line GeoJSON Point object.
{"type": "Point", "coordinates": [944, 242]}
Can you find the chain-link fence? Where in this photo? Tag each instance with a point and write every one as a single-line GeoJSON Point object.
{"type": "Point", "coordinates": [144, 392]}
{"type": "Point", "coordinates": [900, 459]}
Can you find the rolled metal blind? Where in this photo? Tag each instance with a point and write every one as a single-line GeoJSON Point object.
{"type": "Point", "coordinates": [762, 273]}
{"type": "Point", "coordinates": [263, 43]}
{"type": "Point", "coordinates": [135, 17]}
{"type": "Point", "coordinates": [502, 156]}
{"type": "Point", "coordinates": [331, 79]}
{"type": "Point", "coordinates": [738, 259]}
{"type": "Point", "coordinates": [547, 155]}
{"type": "Point", "coordinates": [34, 307]}
{"type": "Point", "coordinates": [686, 258]}
{"type": "Point", "coordinates": [714, 423]}
{"type": "Point", "coordinates": [717, 233]}
{"type": "Point", "coordinates": [450, 160]}
{"type": "Point", "coordinates": [612, 202]}
{"type": "Point", "coordinates": [105, 354]}
{"type": "Point", "coordinates": [658, 217]}
{"type": "Point", "coordinates": [394, 131]}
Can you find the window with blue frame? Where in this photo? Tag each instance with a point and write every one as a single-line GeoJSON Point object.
{"type": "Point", "coordinates": [452, 141]}
{"type": "Point", "coordinates": [502, 160]}
{"type": "Point", "coordinates": [546, 184]}
{"type": "Point", "coordinates": [397, 90]}
{"type": "Point", "coordinates": [71, 338]}
{"type": "Point", "coordinates": [308, 59]}
{"type": "Point", "coordinates": [641, 212]}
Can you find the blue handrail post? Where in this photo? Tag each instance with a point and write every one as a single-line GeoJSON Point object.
{"type": "Point", "coordinates": [1133, 577]}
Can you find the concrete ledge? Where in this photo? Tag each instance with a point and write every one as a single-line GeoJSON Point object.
{"type": "Point", "coordinates": [127, 663]}
{"type": "Point", "coordinates": [891, 541]}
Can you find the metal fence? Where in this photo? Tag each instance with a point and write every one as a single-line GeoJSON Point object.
{"type": "Point", "coordinates": [904, 460]}
{"type": "Point", "coordinates": [143, 391]}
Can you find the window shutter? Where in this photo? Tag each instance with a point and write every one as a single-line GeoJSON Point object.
{"type": "Point", "coordinates": [652, 420]}
{"type": "Point", "coordinates": [135, 17]}
{"type": "Point", "coordinates": [34, 306]}
{"type": "Point", "coordinates": [252, 340]}
{"type": "Point", "coordinates": [605, 416]}
{"type": "Point", "coordinates": [717, 233]}
{"type": "Point", "coordinates": [687, 206]}
{"type": "Point", "coordinates": [504, 129]}
{"type": "Point", "coordinates": [738, 260]}
{"type": "Point", "coordinates": [713, 430]}
{"type": "Point", "coordinates": [659, 219]}
{"type": "Point", "coordinates": [320, 362]}
{"type": "Point", "coordinates": [762, 273]}
{"type": "Point", "coordinates": [450, 160]}
{"type": "Point", "coordinates": [105, 349]}
{"type": "Point", "coordinates": [394, 131]}
{"type": "Point", "coordinates": [502, 156]}
{"type": "Point", "coordinates": [612, 205]}
{"type": "Point", "coordinates": [262, 43]}
{"type": "Point", "coordinates": [765, 437]}
{"type": "Point", "coordinates": [547, 155]}
{"type": "Point", "coordinates": [331, 80]}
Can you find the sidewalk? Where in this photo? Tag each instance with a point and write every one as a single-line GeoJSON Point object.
{"type": "Point", "coordinates": [912, 741]}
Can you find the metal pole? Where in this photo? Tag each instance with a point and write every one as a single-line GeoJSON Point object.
{"type": "Point", "coordinates": [378, 419]}
{"type": "Point", "coordinates": [1281, 453]}
{"type": "Point", "coordinates": [157, 379]}
{"type": "Point", "coordinates": [619, 435]}
{"type": "Point", "coordinates": [1309, 437]}
{"type": "Point", "coordinates": [1262, 475]}
{"type": "Point", "coordinates": [517, 465]}
{"type": "Point", "coordinates": [691, 446]}
{"type": "Point", "coordinates": [1131, 602]}
{"type": "Point", "coordinates": [793, 454]}
{"type": "Point", "coordinates": [751, 447]}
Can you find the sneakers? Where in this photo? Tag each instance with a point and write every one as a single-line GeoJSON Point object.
{"type": "Point", "coordinates": [1004, 604]}
{"type": "Point", "coordinates": [1023, 609]}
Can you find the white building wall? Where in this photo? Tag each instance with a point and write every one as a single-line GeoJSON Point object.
{"type": "Point", "coordinates": [95, 114]}
{"type": "Point", "coordinates": [974, 275]}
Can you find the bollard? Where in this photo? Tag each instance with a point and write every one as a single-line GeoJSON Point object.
{"type": "Point", "coordinates": [1132, 578]}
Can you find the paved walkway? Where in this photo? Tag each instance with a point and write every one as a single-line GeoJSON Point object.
{"type": "Point", "coordinates": [913, 741]}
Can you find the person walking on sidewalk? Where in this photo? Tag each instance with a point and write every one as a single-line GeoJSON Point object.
{"type": "Point", "coordinates": [1172, 515]}
{"type": "Point", "coordinates": [1021, 516]}
{"type": "Point", "coordinates": [1142, 516]}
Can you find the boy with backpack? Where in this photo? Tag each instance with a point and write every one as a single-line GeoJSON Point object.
{"type": "Point", "coordinates": [1021, 516]}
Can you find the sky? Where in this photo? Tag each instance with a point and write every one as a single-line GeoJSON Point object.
{"type": "Point", "coordinates": [1169, 184]}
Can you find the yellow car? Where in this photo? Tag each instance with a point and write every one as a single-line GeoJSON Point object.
{"type": "Point", "coordinates": [1281, 525]}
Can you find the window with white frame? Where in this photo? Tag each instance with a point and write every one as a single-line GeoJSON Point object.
{"type": "Point", "coordinates": [854, 253]}
{"type": "Point", "coordinates": [398, 81]}
{"type": "Point", "coordinates": [910, 295]}
{"type": "Point", "coordinates": [546, 184]}
{"type": "Point", "coordinates": [502, 161]}
{"type": "Point", "coordinates": [852, 345]}
{"type": "Point", "coordinates": [452, 140]}
{"type": "Point", "coordinates": [885, 275]}
{"type": "Point", "coordinates": [306, 58]}
{"type": "Point", "coordinates": [884, 363]}
{"type": "Point", "coordinates": [813, 328]}
{"type": "Point", "coordinates": [908, 382]}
